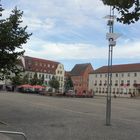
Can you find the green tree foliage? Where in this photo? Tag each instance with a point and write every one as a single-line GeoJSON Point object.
{"type": "Point", "coordinates": [129, 10]}
{"type": "Point", "coordinates": [54, 83]}
{"type": "Point", "coordinates": [12, 37]}
{"type": "Point", "coordinates": [41, 80]}
{"type": "Point", "coordinates": [68, 83]}
{"type": "Point", "coordinates": [34, 80]}
{"type": "Point", "coordinates": [16, 80]}
{"type": "Point", "coordinates": [25, 79]}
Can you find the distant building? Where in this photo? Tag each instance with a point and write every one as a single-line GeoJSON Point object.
{"type": "Point", "coordinates": [80, 77]}
{"type": "Point", "coordinates": [67, 74]}
{"type": "Point", "coordinates": [46, 68]}
{"type": "Point", "coordinates": [125, 80]}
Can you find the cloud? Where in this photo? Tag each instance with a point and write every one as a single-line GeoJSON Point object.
{"type": "Point", "coordinates": [75, 51]}
{"type": "Point", "coordinates": [129, 50]}
{"type": "Point", "coordinates": [74, 30]}
{"type": "Point", "coordinates": [77, 13]}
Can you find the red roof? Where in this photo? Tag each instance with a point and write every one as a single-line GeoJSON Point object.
{"type": "Point", "coordinates": [40, 65]}
{"type": "Point", "coordinates": [120, 68]}
{"type": "Point", "coordinates": [79, 69]}
{"type": "Point", "coordinates": [67, 73]}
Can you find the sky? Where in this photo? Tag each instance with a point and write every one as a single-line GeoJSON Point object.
{"type": "Point", "coordinates": [74, 32]}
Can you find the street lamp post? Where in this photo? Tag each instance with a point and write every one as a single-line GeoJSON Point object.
{"type": "Point", "coordinates": [111, 36]}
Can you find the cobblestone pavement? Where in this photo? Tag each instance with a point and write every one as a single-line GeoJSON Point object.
{"type": "Point", "coordinates": [59, 118]}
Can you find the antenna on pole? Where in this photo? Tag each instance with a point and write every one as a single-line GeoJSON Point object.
{"type": "Point", "coordinates": [111, 37]}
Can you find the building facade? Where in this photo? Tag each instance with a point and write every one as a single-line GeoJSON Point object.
{"type": "Point", "coordinates": [44, 68]}
{"type": "Point", "coordinates": [125, 80]}
{"type": "Point", "coordinates": [80, 77]}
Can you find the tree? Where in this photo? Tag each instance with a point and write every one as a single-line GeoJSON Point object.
{"type": "Point", "coordinates": [54, 83]}
{"type": "Point", "coordinates": [129, 10]}
{"type": "Point", "coordinates": [68, 83]}
{"type": "Point", "coordinates": [41, 80]}
{"type": "Point", "coordinates": [16, 80]}
{"type": "Point", "coordinates": [34, 80]}
{"type": "Point", "coordinates": [12, 37]}
{"type": "Point", "coordinates": [25, 79]}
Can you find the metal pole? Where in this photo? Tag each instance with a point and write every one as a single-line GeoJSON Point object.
{"type": "Point", "coordinates": [14, 133]}
{"type": "Point", "coordinates": [109, 83]}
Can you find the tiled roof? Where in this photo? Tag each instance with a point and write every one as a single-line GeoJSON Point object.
{"type": "Point", "coordinates": [79, 69]}
{"type": "Point", "coordinates": [119, 68]}
{"type": "Point", "coordinates": [67, 73]}
{"type": "Point", "coordinates": [40, 65]}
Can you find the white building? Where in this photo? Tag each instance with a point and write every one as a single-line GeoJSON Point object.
{"type": "Point", "coordinates": [44, 68]}
{"type": "Point", "coordinates": [125, 80]}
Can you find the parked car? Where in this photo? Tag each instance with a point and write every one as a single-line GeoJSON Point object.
{"type": "Point", "coordinates": [70, 93]}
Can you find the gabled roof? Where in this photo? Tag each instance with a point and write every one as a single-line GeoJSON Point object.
{"type": "Point", "coordinates": [79, 69]}
{"type": "Point", "coordinates": [119, 68]}
{"type": "Point", "coordinates": [40, 65]}
{"type": "Point", "coordinates": [67, 73]}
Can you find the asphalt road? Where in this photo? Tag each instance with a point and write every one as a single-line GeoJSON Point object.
{"type": "Point", "coordinates": [59, 118]}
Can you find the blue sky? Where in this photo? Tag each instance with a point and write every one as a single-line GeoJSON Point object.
{"type": "Point", "coordinates": [74, 31]}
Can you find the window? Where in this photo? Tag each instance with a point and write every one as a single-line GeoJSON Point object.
{"type": "Point", "coordinates": [122, 82]}
{"type": "Point", "coordinates": [49, 76]}
{"type": "Point", "coordinates": [128, 82]}
{"type": "Point", "coordinates": [99, 90]}
{"type": "Point", "coordinates": [121, 91]}
{"type": "Point", "coordinates": [100, 83]}
{"type": "Point", "coordinates": [100, 75]}
{"type": "Point", "coordinates": [135, 81]}
{"type": "Point", "coordinates": [103, 90]}
{"type": "Point", "coordinates": [46, 82]}
{"type": "Point", "coordinates": [116, 74]}
{"type": "Point", "coordinates": [113, 90]}
{"type": "Point", "coordinates": [105, 75]}
{"type": "Point", "coordinates": [117, 90]}
{"type": "Point", "coordinates": [61, 78]}
{"type": "Point", "coordinates": [96, 89]}
{"type": "Point", "coordinates": [116, 83]}
{"type": "Point", "coordinates": [95, 83]}
{"type": "Point", "coordinates": [122, 75]}
{"type": "Point", "coordinates": [128, 74]}
{"type": "Point", "coordinates": [48, 65]}
{"type": "Point", "coordinates": [135, 74]}
{"type": "Point", "coordinates": [96, 75]}
{"type": "Point", "coordinates": [105, 83]}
